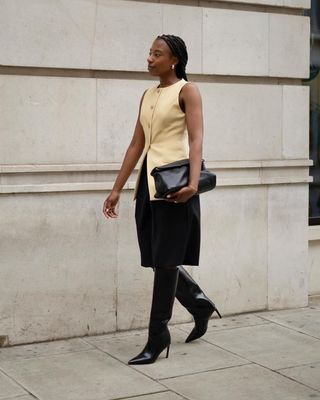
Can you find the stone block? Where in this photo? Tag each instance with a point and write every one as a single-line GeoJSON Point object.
{"type": "Point", "coordinates": [9, 387]}
{"type": "Point", "coordinates": [82, 375]}
{"type": "Point", "coordinates": [51, 34]}
{"type": "Point", "coordinates": [233, 261]}
{"type": "Point", "coordinates": [184, 359]}
{"type": "Point", "coordinates": [289, 50]}
{"type": "Point", "coordinates": [287, 246]}
{"type": "Point", "coordinates": [295, 127]}
{"type": "Point", "coordinates": [305, 320]}
{"type": "Point", "coordinates": [178, 21]}
{"type": "Point", "coordinates": [243, 383]}
{"type": "Point", "coordinates": [241, 121]}
{"type": "Point", "coordinates": [124, 34]}
{"type": "Point", "coordinates": [235, 42]}
{"type": "Point", "coordinates": [47, 120]}
{"type": "Point", "coordinates": [58, 265]}
{"type": "Point", "coordinates": [272, 346]}
{"type": "Point", "coordinates": [306, 374]}
{"type": "Point", "coordinates": [285, 3]}
{"type": "Point", "coordinates": [45, 349]}
{"type": "Point", "coordinates": [117, 112]}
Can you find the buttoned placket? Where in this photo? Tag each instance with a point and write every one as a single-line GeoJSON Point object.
{"type": "Point", "coordinates": [153, 107]}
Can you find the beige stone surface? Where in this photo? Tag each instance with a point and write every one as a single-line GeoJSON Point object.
{"type": "Point", "coordinates": [59, 267]}
{"type": "Point", "coordinates": [233, 260]}
{"type": "Point", "coordinates": [21, 398]}
{"type": "Point", "coordinates": [168, 395]}
{"type": "Point", "coordinates": [242, 382]}
{"type": "Point", "coordinates": [185, 358]}
{"type": "Point", "coordinates": [271, 346]}
{"type": "Point", "coordinates": [289, 53]}
{"type": "Point", "coordinates": [306, 374]}
{"type": "Point", "coordinates": [235, 42]}
{"type": "Point", "coordinates": [117, 112]}
{"type": "Point", "coordinates": [286, 3]}
{"type": "Point", "coordinates": [99, 374]}
{"type": "Point", "coordinates": [228, 322]}
{"type": "Point", "coordinates": [47, 120]}
{"type": "Point", "coordinates": [85, 35]}
{"type": "Point", "coordinates": [84, 375]}
{"type": "Point", "coordinates": [134, 282]}
{"type": "Point", "coordinates": [303, 320]}
{"type": "Point", "coordinates": [134, 25]}
{"type": "Point", "coordinates": [295, 125]}
{"type": "Point", "coordinates": [297, 3]}
{"type": "Point", "coordinates": [44, 349]}
{"type": "Point", "coordinates": [9, 387]}
{"type": "Point", "coordinates": [242, 122]}
{"type": "Point", "coordinates": [179, 20]}
{"type": "Point", "coordinates": [287, 246]}
{"type": "Point", "coordinates": [47, 34]}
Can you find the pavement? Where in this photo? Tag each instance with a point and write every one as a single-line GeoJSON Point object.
{"type": "Point", "coordinates": [269, 355]}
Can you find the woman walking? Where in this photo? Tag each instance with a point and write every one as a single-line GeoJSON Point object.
{"type": "Point", "coordinates": [169, 128]}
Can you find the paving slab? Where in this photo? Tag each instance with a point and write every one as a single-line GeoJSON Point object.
{"type": "Point", "coordinates": [87, 375]}
{"type": "Point", "coordinates": [158, 396]}
{"type": "Point", "coordinates": [246, 382]}
{"type": "Point", "coordinates": [307, 374]}
{"type": "Point", "coordinates": [184, 358]}
{"type": "Point", "coordinates": [270, 345]}
{"type": "Point", "coordinates": [27, 397]}
{"type": "Point", "coordinates": [43, 349]}
{"type": "Point", "coordinates": [304, 320]}
{"type": "Point", "coordinates": [230, 322]}
{"type": "Point", "coordinates": [9, 388]}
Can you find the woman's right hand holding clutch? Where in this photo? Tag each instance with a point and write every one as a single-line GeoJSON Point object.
{"type": "Point", "coordinates": [110, 204]}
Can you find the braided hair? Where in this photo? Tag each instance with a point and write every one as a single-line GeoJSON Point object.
{"type": "Point", "coordinates": [179, 50]}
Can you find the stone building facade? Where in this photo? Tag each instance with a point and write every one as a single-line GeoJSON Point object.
{"type": "Point", "coordinates": [72, 73]}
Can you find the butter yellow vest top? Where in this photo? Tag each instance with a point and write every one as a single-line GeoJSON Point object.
{"type": "Point", "coordinates": [164, 127]}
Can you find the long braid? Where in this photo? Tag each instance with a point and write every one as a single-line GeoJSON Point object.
{"type": "Point", "coordinates": [179, 50]}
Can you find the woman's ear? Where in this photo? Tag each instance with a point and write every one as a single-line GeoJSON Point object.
{"type": "Point", "coordinates": [175, 61]}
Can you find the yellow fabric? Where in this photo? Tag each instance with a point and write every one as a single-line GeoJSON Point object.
{"type": "Point", "coordinates": [164, 126]}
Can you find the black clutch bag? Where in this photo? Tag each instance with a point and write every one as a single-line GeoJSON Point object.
{"type": "Point", "coordinates": [170, 178]}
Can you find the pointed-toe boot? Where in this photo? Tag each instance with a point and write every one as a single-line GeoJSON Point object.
{"type": "Point", "coordinates": [164, 289]}
{"type": "Point", "coordinates": [190, 295]}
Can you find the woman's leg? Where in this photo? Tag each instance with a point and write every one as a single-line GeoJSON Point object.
{"type": "Point", "coordinates": [164, 290]}
{"type": "Point", "coordinates": [190, 295]}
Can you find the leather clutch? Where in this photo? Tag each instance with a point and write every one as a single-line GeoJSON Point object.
{"type": "Point", "coordinates": [170, 178]}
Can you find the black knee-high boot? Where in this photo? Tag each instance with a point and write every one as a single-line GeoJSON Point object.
{"type": "Point", "coordinates": [196, 302]}
{"type": "Point", "coordinates": [164, 289]}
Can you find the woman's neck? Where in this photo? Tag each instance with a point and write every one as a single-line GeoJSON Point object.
{"type": "Point", "coordinates": [168, 80]}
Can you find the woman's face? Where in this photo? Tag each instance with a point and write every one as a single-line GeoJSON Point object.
{"type": "Point", "coordinates": [160, 58]}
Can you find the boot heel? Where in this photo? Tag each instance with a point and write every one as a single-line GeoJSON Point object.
{"type": "Point", "coordinates": [168, 351]}
{"type": "Point", "coordinates": [218, 312]}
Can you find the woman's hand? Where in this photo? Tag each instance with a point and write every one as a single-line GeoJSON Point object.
{"type": "Point", "coordinates": [110, 204]}
{"type": "Point", "coordinates": [182, 195]}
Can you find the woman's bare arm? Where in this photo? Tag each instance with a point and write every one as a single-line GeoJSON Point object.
{"type": "Point", "coordinates": [131, 157]}
{"type": "Point", "coordinates": [191, 100]}
{"type": "Point", "coordinates": [130, 160]}
{"type": "Point", "coordinates": [194, 118]}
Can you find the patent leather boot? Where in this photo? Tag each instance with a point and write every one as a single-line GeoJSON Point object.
{"type": "Point", "coordinates": [164, 289]}
{"type": "Point", "coordinates": [190, 295]}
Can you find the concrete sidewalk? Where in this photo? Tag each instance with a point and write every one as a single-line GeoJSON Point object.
{"type": "Point", "coordinates": [258, 356]}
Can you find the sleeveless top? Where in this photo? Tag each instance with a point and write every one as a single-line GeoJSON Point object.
{"type": "Point", "coordinates": [164, 127]}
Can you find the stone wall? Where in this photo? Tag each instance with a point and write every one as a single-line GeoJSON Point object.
{"type": "Point", "coordinates": [71, 76]}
